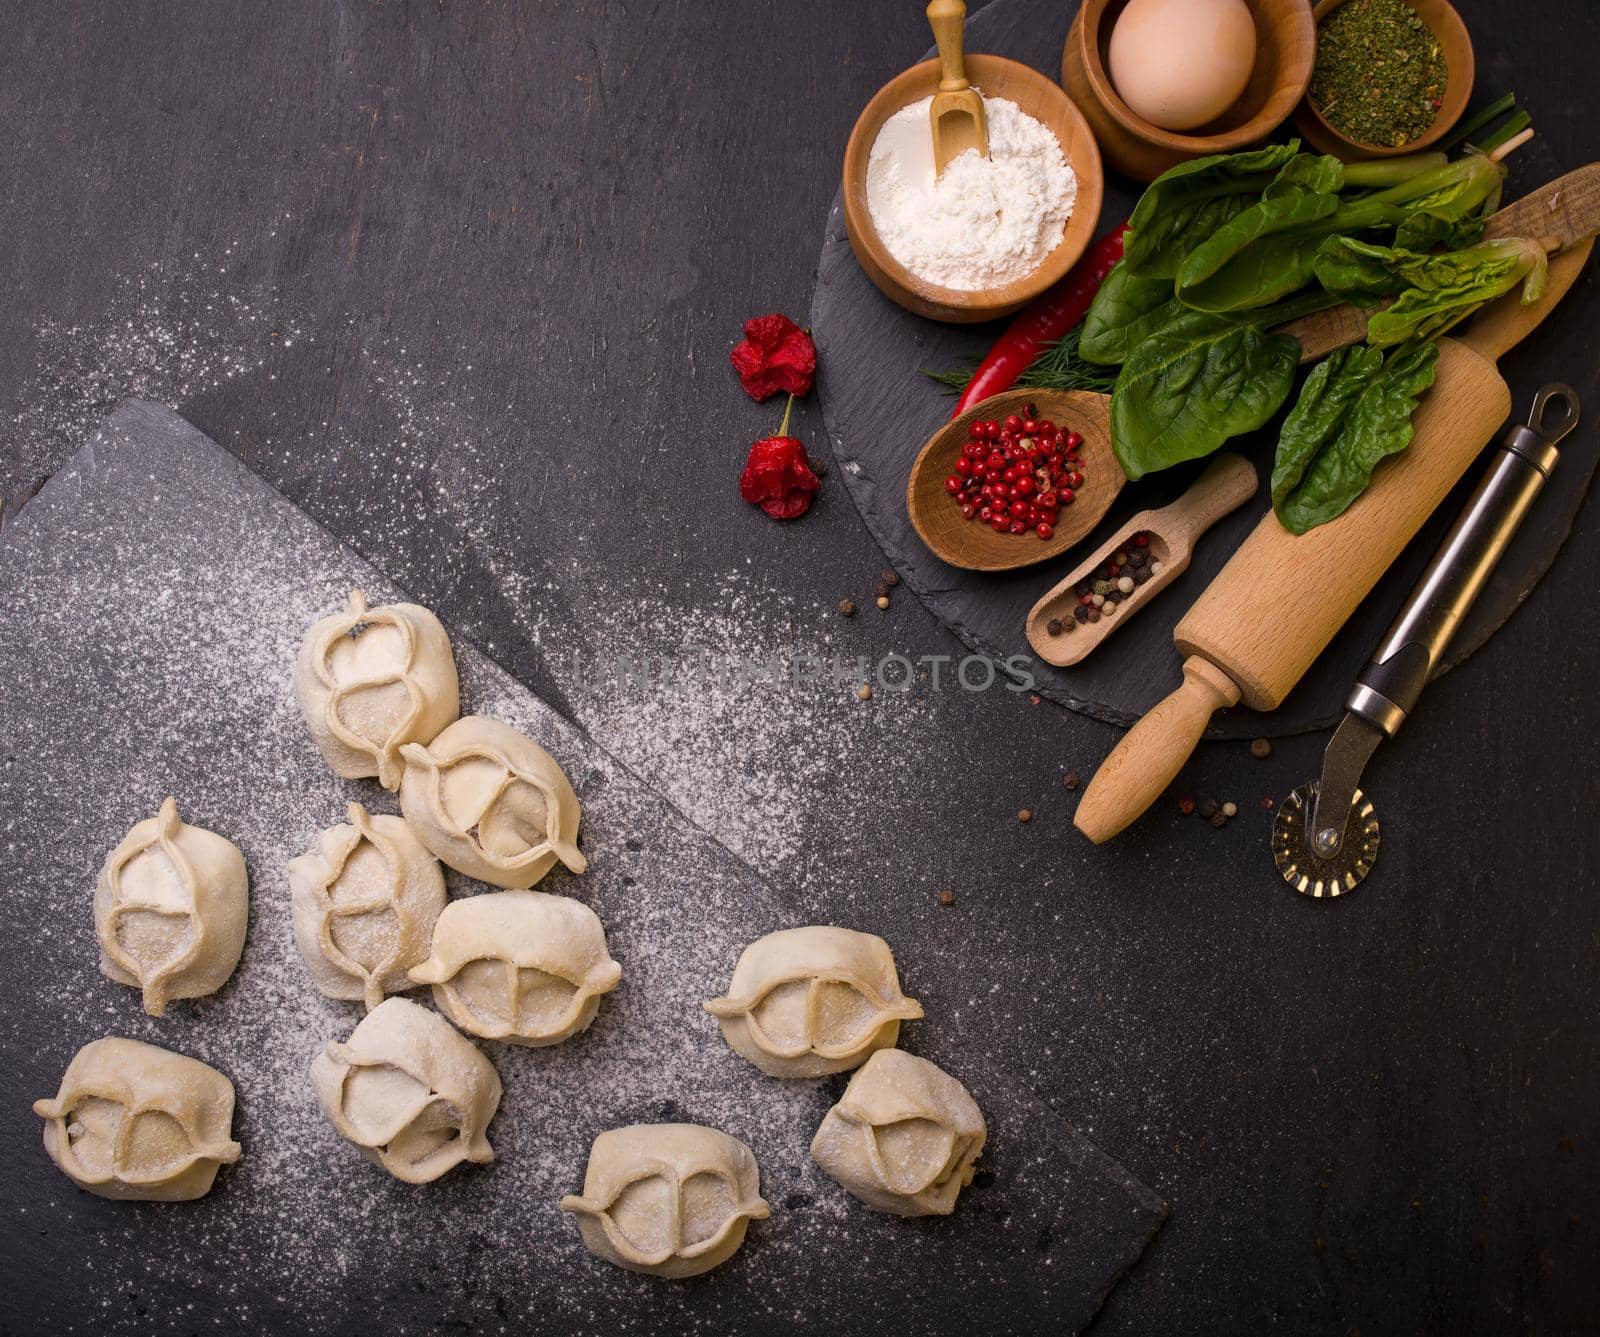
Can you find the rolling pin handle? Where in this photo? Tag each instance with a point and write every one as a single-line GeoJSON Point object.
{"type": "Point", "coordinates": [1152, 753]}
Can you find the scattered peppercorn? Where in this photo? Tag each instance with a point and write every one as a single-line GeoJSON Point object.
{"type": "Point", "coordinates": [1230, 809]}
{"type": "Point", "coordinates": [1186, 806]}
{"type": "Point", "coordinates": [1070, 780]}
{"type": "Point", "coordinates": [1260, 747]}
{"type": "Point", "coordinates": [864, 692]}
{"type": "Point", "coordinates": [1053, 626]}
{"type": "Point", "coordinates": [890, 577]}
{"type": "Point", "coordinates": [882, 601]}
{"type": "Point", "coordinates": [1267, 803]}
{"type": "Point", "coordinates": [1023, 815]}
{"type": "Point", "coordinates": [1207, 807]}
{"type": "Point", "coordinates": [947, 897]}
{"type": "Point", "coordinates": [847, 607]}
{"type": "Point", "coordinates": [1218, 820]}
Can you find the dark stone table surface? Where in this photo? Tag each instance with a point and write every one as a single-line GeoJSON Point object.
{"type": "Point", "coordinates": [460, 280]}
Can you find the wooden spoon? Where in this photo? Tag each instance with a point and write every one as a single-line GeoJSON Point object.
{"type": "Point", "coordinates": [973, 545]}
{"type": "Point", "coordinates": [1228, 482]}
{"type": "Point", "coordinates": [957, 111]}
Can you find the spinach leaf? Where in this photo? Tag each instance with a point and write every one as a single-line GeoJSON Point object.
{"type": "Point", "coordinates": [1269, 250]}
{"type": "Point", "coordinates": [1435, 291]}
{"type": "Point", "coordinates": [1427, 231]}
{"type": "Point", "coordinates": [1191, 385]}
{"type": "Point", "coordinates": [1265, 252]}
{"type": "Point", "coordinates": [1313, 173]}
{"type": "Point", "coordinates": [1187, 203]}
{"type": "Point", "coordinates": [1126, 310]}
{"type": "Point", "coordinates": [1353, 412]}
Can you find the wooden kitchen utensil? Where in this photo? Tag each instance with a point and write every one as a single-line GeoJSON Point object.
{"type": "Point", "coordinates": [957, 111]}
{"type": "Point", "coordinates": [1278, 602]}
{"type": "Point", "coordinates": [1228, 482]}
{"type": "Point", "coordinates": [973, 545]}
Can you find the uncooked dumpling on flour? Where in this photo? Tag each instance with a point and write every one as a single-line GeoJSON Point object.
{"type": "Point", "coordinates": [519, 966]}
{"type": "Point", "coordinates": [365, 898]}
{"type": "Point", "coordinates": [670, 1199]}
{"type": "Point", "coordinates": [410, 1091]}
{"type": "Point", "coordinates": [491, 803]}
{"type": "Point", "coordinates": [139, 1122]}
{"type": "Point", "coordinates": [903, 1136]}
{"type": "Point", "coordinates": [370, 680]}
{"type": "Point", "coordinates": [171, 910]}
{"type": "Point", "coordinates": [805, 1002]}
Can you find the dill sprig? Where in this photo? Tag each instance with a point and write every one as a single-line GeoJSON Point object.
{"type": "Point", "coordinates": [1057, 368]}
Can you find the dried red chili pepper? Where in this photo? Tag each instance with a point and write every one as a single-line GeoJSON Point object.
{"type": "Point", "coordinates": [775, 354]}
{"type": "Point", "coordinates": [777, 477]}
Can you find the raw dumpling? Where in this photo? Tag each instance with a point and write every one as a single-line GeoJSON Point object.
{"type": "Point", "coordinates": [372, 679]}
{"type": "Point", "coordinates": [903, 1136]}
{"type": "Point", "coordinates": [805, 1002]}
{"type": "Point", "coordinates": [519, 966]}
{"type": "Point", "coordinates": [365, 899]}
{"type": "Point", "coordinates": [671, 1199]}
{"type": "Point", "coordinates": [133, 1120]}
{"type": "Point", "coordinates": [171, 910]}
{"type": "Point", "coordinates": [491, 803]}
{"type": "Point", "coordinates": [410, 1091]}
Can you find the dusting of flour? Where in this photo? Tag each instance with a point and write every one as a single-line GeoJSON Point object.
{"type": "Point", "coordinates": [986, 221]}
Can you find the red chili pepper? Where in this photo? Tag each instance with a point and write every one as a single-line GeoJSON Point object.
{"type": "Point", "coordinates": [1044, 320]}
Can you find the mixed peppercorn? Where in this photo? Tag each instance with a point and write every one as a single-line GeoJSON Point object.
{"type": "Point", "coordinates": [1016, 475]}
{"type": "Point", "coordinates": [1102, 593]}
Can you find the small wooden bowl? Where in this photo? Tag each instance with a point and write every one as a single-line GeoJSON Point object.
{"type": "Point", "coordinates": [1042, 99]}
{"type": "Point", "coordinates": [973, 545]}
{"type": "Point", "coordinates": [1286, 43]}
{"type": "Point", "coordinates": [1446, 24]}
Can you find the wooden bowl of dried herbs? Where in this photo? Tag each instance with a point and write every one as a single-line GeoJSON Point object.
{"type": "Point", "coordinates": [1391, 77]}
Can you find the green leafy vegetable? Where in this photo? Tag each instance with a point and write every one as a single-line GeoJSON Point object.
{"type": "Point", "coordinates": [1126, 311]}
{"type": "Point", "coordinates": [1435, 291]}
{"type": "Point", "coordinates": [1259, 257]}
{"type": "Point", "coordinates": [1187, 203]}
{"type": "Point", "coordinates": [1193, 384]}
{"type": "Point", "coordinates": [1268, 251]}
{"type": "Point", "coordinates": [1354, 411]}
{"type": "Point", "coordinates": [1307, 174]}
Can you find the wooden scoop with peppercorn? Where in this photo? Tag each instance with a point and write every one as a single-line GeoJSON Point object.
{"type": "Point", "coordinates": [1135, 564]}
{"type": "Point", "coordinates": [1278, 602]}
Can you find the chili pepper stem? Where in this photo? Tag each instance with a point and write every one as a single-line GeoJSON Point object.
{"type": "Point", "coordinates": [783, 427]}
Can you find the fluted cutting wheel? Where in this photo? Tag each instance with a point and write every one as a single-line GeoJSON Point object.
{"type": "Point", "coordinates": [1301, 869]}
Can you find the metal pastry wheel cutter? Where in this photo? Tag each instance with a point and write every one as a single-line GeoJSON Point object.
{"type": "Point", "coordinates": [1325, 836]}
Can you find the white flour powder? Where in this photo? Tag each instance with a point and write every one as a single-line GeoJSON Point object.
{"type": "Point", "coordinates": [986, 221]}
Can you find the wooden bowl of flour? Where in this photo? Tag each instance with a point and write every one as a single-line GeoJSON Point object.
{"type": "Point", "coordinates": [1039, 97]}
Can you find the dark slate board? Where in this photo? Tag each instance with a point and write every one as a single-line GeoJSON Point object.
{"type": "Point", "coordinates": [155, 591]}
{"type": "Point", "coordinates": [879, 411]}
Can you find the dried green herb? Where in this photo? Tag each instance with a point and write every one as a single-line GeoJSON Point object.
{"type": "Point", "coordinates": [1380, 73]}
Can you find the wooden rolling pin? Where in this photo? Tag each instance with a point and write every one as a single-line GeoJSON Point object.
{"type": "Point", "coordinates": [1278, 602]}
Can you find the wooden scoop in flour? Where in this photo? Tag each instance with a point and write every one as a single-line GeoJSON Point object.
{"type": "Point", "coordinates": [1278, 602]}
{"type": "Point", "coordinates": [957, 111]}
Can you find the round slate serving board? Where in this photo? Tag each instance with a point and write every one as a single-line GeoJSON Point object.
{"type": "Point", "coordinates": [879, 410]}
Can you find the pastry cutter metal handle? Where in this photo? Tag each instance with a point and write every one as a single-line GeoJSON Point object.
{"type": "Point", "coordinates": [1388, 688]}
